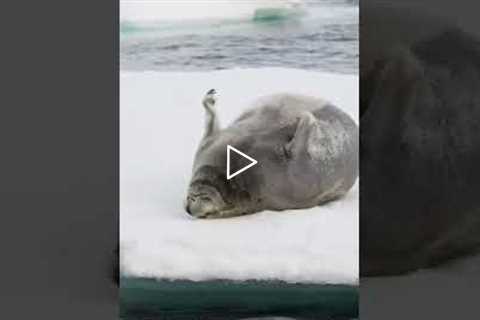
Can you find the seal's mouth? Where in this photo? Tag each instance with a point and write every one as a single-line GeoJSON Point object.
{"type": "Point", "coordinates": [203, 207]}
{"type": "Point", "coordinates": [209, 215]}
{"type": "Point", "coordinates": [213, 215]}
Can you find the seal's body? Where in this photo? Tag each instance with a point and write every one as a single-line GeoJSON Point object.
{"type": "Point", "coordinates": [307, 153]}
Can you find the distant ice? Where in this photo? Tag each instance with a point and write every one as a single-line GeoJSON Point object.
{"type": "Point", "coordinates": [197, 10]}
{"type": "Point", "coordinates": [161, 123]}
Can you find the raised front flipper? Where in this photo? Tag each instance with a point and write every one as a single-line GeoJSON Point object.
{"type": "Point", "coordinates": [212, 124]}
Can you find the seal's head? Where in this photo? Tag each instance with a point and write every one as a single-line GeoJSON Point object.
{"type": "Point", "coordinates": [210, 195]}
{"type": "Point", "coordinates": [204, 201]}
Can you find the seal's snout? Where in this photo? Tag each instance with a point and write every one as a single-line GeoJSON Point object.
{"type": "Point", "coordinates": [204, 201]}
{"type": "Point", "coordinates": [198, 207]}
{"type": "Point", "coordinates": [188, 205]}
{"type": "Point", "coordinates": [187, 208]}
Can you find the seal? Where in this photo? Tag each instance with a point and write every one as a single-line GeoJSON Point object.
{"type": "Point", "coordinates": [420, 147]}
{"type": "Point", "coordinates": [307, 153]}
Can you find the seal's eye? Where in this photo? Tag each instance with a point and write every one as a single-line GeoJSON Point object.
{"type": "Point", "coordinates": [206, 199]}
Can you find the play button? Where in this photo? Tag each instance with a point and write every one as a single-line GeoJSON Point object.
{"type": "Point", "coordinates": [250, 164]}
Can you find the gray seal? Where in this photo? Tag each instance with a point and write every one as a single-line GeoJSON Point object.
{"type": "Point", "coordinates": [307, 153]}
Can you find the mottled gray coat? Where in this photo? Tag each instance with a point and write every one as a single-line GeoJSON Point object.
{"type": "Point", "coordinates": [307, 153]}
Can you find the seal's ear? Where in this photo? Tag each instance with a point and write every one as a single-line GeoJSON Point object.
{"type": "Point", "coordinates": [303, 130]}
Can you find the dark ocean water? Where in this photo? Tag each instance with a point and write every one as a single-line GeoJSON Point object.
{"type": "Point", "coordinates": [322, 35]}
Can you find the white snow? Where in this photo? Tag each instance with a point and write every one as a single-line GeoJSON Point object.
{"type": "Point", "coordinates": [161, 123]}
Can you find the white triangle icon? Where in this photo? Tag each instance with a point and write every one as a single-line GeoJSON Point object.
{"type": "Point", "coordinates": [231, 175]}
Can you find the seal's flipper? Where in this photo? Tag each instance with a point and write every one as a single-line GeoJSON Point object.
{"type": "Point", "coordinates": [298, 144]}
{"type": "Point", "coordinates": [212, 124]}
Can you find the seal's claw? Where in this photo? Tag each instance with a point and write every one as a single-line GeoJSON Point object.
{"type": "Point", "coordinates": [210, 98]}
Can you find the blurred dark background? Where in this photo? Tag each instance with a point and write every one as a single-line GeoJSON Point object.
{"type": "Point", "coordinates": [420, 146]}
{"type": "Point", "coordinates": [58, 159]}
